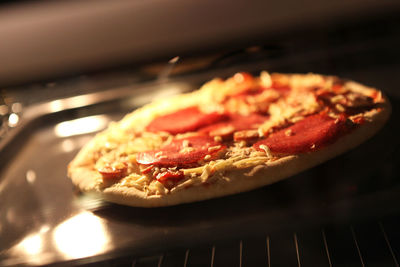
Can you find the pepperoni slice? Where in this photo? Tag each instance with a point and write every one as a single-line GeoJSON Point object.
{"type": "Point", "coordinates": [184, 120]}
{"type": "Point", "coordinates": [163, 177]}
{"type": "Point", "coordinates": [235, 123]}
{"type": "Point", "coordinates": [282, 88]}
{"type": "Point", "coordinates": [185, 152]}
{"type": "Point", "coordinates": [248, 92]}
{"type": "Point", "coordinates": [113, 172]}
{"type": "Point", "coordinates": [306, 135]}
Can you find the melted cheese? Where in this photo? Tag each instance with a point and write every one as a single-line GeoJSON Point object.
{"type": "Point", "coordinates": [125, 139]}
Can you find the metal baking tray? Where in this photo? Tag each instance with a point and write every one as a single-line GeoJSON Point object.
{"type": "Point", "coordinates": [44, 220]}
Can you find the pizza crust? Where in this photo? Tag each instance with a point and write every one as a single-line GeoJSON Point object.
{"type": "Point", "coordinates": [87, 179]}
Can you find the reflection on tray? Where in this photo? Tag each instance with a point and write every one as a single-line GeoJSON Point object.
{"type": "Point", "coordinates": [82, 235]}
{"type": "Point", "coordinates": [84, 125]}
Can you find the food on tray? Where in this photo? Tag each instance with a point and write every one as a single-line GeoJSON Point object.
{"type": "Point", "coordinates": [229, 136]}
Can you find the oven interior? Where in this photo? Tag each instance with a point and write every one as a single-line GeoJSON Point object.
{"type": "Point", "coordinates": [343, 212]}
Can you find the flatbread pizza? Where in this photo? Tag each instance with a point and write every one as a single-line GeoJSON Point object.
{"type": "Point", "coordinates": [232, 135]}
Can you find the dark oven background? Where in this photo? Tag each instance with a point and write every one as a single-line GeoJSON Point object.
{"type": "Point", "coordinates": [57, 92]}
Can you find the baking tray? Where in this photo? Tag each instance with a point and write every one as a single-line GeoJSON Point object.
{"type": "Point", "coordinates": [44, 220]}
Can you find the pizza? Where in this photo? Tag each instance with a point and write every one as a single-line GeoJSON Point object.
{"type": "Point", "coordinates": [230, 136]}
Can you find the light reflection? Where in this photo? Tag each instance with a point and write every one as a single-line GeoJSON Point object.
{"type": "Point", "coordinates": [173, 60]}
{"type": "Point", "coordinates": [31, 245]}
{"type": "Point", "coordinates": [81, 126]}
{"type": "Point", "coordinates": [166, 92]}
{"type": "Point", "coordinates": [13, 120]}
{"type": "Point", "coordinates": [56, 105]}
{"type": "Point", "coordinates": [166, 72]}
{"type": "Point", "coordinates": [30, 176]}
{"type": "Point", "coordinates": [45, 228]}
{"type": "Point", "coordinates": [67, 145]}
{"type": "Point", "coordinates": [81, 236]}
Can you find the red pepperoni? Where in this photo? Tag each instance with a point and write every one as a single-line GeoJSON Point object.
{"type": "Point", "coordinates": [170, 178]}
{"type": "Point", "coordinates": [223, 129]}
{"type": "Point", "coordinates": [248, 122]}
{"type": "Point", "coordinates": [309, 134]}
{"type": "Point", "coordinates": [337, 88]}
{"type": "Point", "coordinates": [163, 177]}
{"type": "Point", "coordinates": [109, 172]}
{"type": "Point", "coordinates": [174, 154]}
{"type": "Point", "coordinates": [248, 92]}
{"type": "Point", "coordinates": [184, 120]}
{"type": "Point", "coordinates": [235, 123]}
{"type": "Point", "coordinates": [282, 88]}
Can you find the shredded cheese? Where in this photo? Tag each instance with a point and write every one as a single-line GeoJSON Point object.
{"type": "Point", "coordinates": [213, 148]}
{"type": "Point", "coordinates": [217, 138]}
{"type": "Point", "coordinates": [186, 150]}
{"type": "Point", "coordinates": [160, 188]}
{"type": "Point", "coordinates": [288, 132]}
{"type": "Point", "coordinates": [118, 141]}
{"type": "Point", "coordinates": [267, 150]}
{"type": "Point", "coordinates": [185, 143]}
{"type": "Point", "coordinates": [265, 79]}
{"type": "Point", "coordinates": [245, 163]}
{"type": "Point", "coordinates": [340, 108]}
{"type": "Point", "coordinates": [206, 173]}
{"type": "Point", "coordinates": [186, 183]}
{"type": "Point", "coordinates": [197, 170]}
{"type": "Point", "coordinates": [337, 98]}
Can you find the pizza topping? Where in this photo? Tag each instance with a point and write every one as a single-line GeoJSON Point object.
{"type": "Point", "coordinates": [224, 130]}
{"type": "Point", "coordinates": [311, 133]}
{"type": "Point", "coordinates": [207, 157]}
{"type": "Point", "coordinates": [340, 108]}
{"type": "Point", "coordinates": [246, 135]}
{"type": "Point", "coordinates": [113, 171]}
{"type": "Point", "coordinates": [266, 149]}
{"type": "Point", "coordinates": [259, 120]}
{"type": "Point", "coordinates": [176, 155]}
{"type": "Point", "coordinates": [358, 119]}
{"type": "Point", "coordinates": [347, 102]}
{"type": "Point", "coordinates": [265, 79]}
{"type": "Point", "coordinates": [289, 132]}
{"type": "Point", "coordinates": [217, 138]}
{"type": "Point", "coordinates": [241, 77]}
{"type": "Point", "coordinates": [169, 178]}
{"type": "Point", "coordinates": [251, 100]}
{"type": "Point", "coordinates": [291, 109]}
{"type": "Point", "coordinates": [214, 148]}
{"type": "Point", "coordinates": [235, 123]}
{"type": "Point", "coordinates": [184, 120]}
{"type": "Point", "coordinates": [248, 92]}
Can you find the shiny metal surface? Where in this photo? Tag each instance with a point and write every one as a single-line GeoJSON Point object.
{"type": "Point", "coordinates": [43, 220]}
